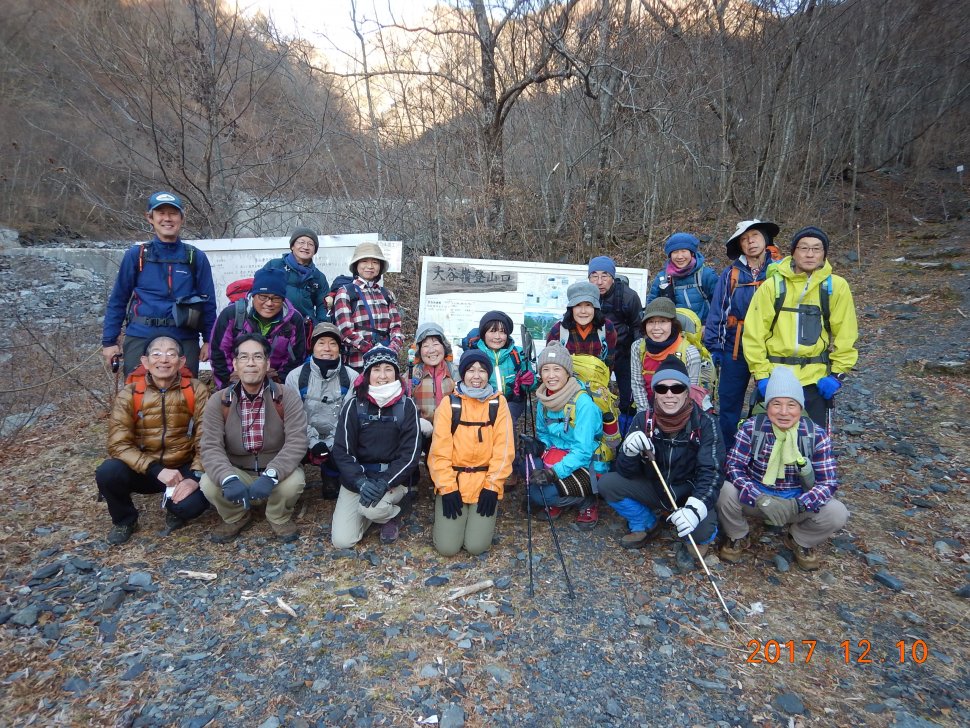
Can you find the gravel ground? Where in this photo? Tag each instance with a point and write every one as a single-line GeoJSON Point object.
{"type": "Point", "coordinates": [126, 636]}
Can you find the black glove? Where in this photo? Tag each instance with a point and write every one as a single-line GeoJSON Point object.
{"type": "Point", "coordinates": [451, 504]}
{"type": "Point", "coordinates": [371, 492]}
{"type": "Point", "coordinates": [530, 445]}
{"type": "Point", "coordinates": [235, 491]}
{"type": "Point", "coordinates": [261, 488]}
{"type": "Point", "coordinates": [487, 500]}
{"type": "Point", "coordinates": [320, 450]}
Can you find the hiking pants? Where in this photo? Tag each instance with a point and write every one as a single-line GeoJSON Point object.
{"type": "Point", "coordinates": [815, 406]}
{"type": "Point", "coordinates": [554, 500]}
{"type": "Point", "coordinates": [117, 482]}
{"type": "Point", "coordinates": [134, 346]}
{"type": "Point", "coordinates": [279, 505]}
{"type": "Point", "coordinates": [621, 369]}
{"type": "Point", "coordinates": [632, 498]}
{"type": "Point", "coordinates": [470, 530]}
{"type": "Point", "coordinates": [809, 529]}
{"type": "Point", "coordinates": [351, 520]}
{"type": "Point", "coordinates": [730, 393]}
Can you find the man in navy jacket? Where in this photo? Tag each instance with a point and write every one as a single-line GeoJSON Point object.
{"type": "Point", "coordinates": [152, 278]}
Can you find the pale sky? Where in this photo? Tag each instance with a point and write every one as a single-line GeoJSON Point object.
{"type": "Point", "coordinates": [327, 24]}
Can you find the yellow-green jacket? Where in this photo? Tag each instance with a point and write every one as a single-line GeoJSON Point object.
{"type": "Point", "coordinates": [762, 344]}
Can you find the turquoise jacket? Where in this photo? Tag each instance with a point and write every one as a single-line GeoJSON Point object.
{"type": "Point", "coordinates": [576, 432]}
{"type": "Point", "coordinates": [506, 363]}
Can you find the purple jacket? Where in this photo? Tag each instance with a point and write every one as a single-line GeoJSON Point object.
{"type": "Point", "coordinates": [286, 335]}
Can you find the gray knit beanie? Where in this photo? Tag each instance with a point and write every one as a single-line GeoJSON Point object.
{"type": "Point", "coordinates": [555, 353]}
{"type": "Point", "coordinates": [784, 383]}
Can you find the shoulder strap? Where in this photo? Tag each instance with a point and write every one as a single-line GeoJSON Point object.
{"type": "Point", "coordinates": [239, 315]}
{"type": "Point", "coordinates": [806, 443]}
{"type": "Point", "coordinates": [733, 280]}
{"type": "Point", "coordinates": [563, 334]}
{"type": "Point", "coordinates": [824, 294]}
{"type": "Point", "coordinates": [780, 290]}
{"type": "Point", "coordinates": [304, 381]}
{"type": "Point", "coordinates": [275, 395]}
{"type": "Point", "coordinates": [344, 380]}
{"type": "Point", "coordinates": [455, 412]}
{"type": "Point", "coordinates": [517, 358]}
{"type": "Point", "coordinates": [757, 436]}
{"type": "Point", "coordinates": [138, 396]}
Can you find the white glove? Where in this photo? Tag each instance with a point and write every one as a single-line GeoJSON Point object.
{"type": "Point", "coordinates": [637, 443]}
{"type": "Point", "coordinates": [426, 427]}
{"type": "Point", "coordinates": [685, 519]}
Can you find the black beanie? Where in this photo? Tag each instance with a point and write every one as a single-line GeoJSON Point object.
{"type": "Point", "coordinates": [811, 232]}
{"type": "Point", "coordinates": [500, 317]}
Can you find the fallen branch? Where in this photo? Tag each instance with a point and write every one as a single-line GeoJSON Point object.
{"type": "Point", "coordinates": [202, 575]}
{"type": "Point", "coordinates": [471, 589]}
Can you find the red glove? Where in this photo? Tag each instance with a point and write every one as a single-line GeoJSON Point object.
{"type": "Point", "coordinates": [523, 379]}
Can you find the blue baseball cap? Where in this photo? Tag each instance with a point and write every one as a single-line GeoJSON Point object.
{"type": "Point", "coordinates": [165, 198]}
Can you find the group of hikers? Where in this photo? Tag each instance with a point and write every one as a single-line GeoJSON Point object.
{"type": "Point", "coordinates": [313, 375]}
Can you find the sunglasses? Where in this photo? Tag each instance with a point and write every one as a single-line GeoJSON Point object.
{"type": "Point", "coordinates": [672, 388]}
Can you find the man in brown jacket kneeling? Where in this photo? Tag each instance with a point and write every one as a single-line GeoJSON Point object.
{"type": "Point", "coordinates": [254, 437]}
{"type": "Point", "coordinates": [153, 441]}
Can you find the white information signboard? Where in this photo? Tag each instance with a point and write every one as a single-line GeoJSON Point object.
{"type": "Point", "coordinates": [235, 258]}
{"type": "Point", "coordinates": [455, 292]}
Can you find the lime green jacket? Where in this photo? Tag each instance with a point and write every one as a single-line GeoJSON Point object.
{"type": "Point", "coordinates": [762, 342]}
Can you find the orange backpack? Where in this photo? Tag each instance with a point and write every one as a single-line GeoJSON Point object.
{"type": "Point", "coordinates": [139, 378]}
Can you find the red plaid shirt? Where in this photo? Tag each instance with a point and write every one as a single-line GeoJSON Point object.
{"type": "Point", "coordinates": [252, 417]}
{"type": "Point", "coordinates": [355, 324]}
{"type": "Point", "coordinates": [592, 344]}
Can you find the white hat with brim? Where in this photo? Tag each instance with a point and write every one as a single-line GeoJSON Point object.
{"type": "Point", "coordinates": [733, 245]}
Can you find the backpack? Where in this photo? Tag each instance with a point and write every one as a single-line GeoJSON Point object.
{"type": "Point", "coordinates": [693, 331]}
{"type": "Point", "coordinates": [604, 453]}
{"type": "Point", "coordinates": [594, 373]}
{"type": "Point", "coordinates": [304, 381]}
{"type": "Point", "coordinates": [241, 308]}
{"type": "Point", "coordinates": [139, 377]}
{"type": "Point", "coordinates": [824, 294]}
{"type": "Point", "coordinates": [239, 289]}
{"type": "Point", "coordinates": [806, 446]}
{"type": "Point", "coordinates": [275, 394]}
{"type": "Point", "coordinates": [670, 291]}
{"type": "Point", "coordinates": [456, 409]}
{"type": "Point", "coordinates": [733, 285]}
{"type": "Point", "coordinates": [188, 260]}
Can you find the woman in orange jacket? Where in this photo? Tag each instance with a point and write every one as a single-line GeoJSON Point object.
{"type": "Point", "coordinates": [471, 457]}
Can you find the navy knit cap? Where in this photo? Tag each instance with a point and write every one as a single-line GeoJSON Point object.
{"type": "Point", "coordinates": [681, 241]}
{"type": "Point", "coordinates": [670, 368]}
{"type": "Point", "coordinates": [471, 357]}
{"type": "Point", "coordinates": [493, 316]}
{"type": "Point", "coordinates": [381, 355]}
{"type": "Point", "coordinates": [811, 232]}
{"type": "Point", "coordinates": [601, 264]}
{"type": "Point", "coordinates": [272, 282]}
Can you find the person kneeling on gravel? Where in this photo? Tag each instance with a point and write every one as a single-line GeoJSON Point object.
{"type": "Point", "coordinates": [684, 443]}
{"type": "Point", "coordinates": [153, 441]}
{"type": "Point", "coordinates": [781, 469]}
{"type": "Point", "coordinates": [254, 437]}
{"type": "Point", "coordinates": [376, 450]}
{"type": "Point", "coordinates": [470, 459]}
{"type": "Point", "coordinates": [323, 382]}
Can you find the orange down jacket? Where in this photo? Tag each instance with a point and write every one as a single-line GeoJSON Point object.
{"type": "Point", "coordinates": [471, 446]}
{"type": "Point", "coordinates": [161, 432]}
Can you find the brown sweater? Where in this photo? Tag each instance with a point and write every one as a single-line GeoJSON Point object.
{"type": "Point", "coordinates": [284, 441]}
{"type": "Point", "coordinates": [161, 434]}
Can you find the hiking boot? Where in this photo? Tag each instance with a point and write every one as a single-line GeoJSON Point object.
{"type": "Point", "coordinates": [285, 532]}
{"type": "Point", "coordinates": [732, 548]}
{"type": "Point", "coordinates": [391, 530]}
{"type": "Point", "coordinates": [330, 487]}
{"type": "Point", "coordinates": [639, 539]}
{"type": "Point", "coordinates": [549, 514]}
{"type": "Point", "coordinates": [588, 517]}
{"type": "Point", "coordinates": [226, 532]}
{"type": "Point", "coordinates": [173, 522]}
{"type": "Point", "coordinates": [120, 534]}
{"type": "Point", "coordinates": [806, 558]}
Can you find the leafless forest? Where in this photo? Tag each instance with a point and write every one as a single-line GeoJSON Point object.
{"type": "Point", "coordinates": [548, 128]}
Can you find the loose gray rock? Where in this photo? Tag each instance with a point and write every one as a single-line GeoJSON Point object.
{"type": "Point", "coordinates": [662, 570]}
{"type": "Point", "coordinates": [887, 579]}
{"type": "Point", "coordinates": [436, 581]}
{"type": "Point", "coordinates": [140, 579]}
{"type": "Point", "coordinates": [503, 582]}
{"type": "Point", "coordinates": [781, 563]}
{"type": "Point", "coordinates": [134, 671]}
{"type": "Point", "coordinates": [789, 703]}
{"type": "Point", "coordinates": [358, 592]}
{"type": "Point", "coordinates": [46, 572]}
{"type": "Point", "coordinates": [26, 617]}
{"type": "Point", "coordinates": [452, 716]}
{"type": "Point", "coordinates": [500, 674]}
{"type": "Point", "coordinates": [429, 671]}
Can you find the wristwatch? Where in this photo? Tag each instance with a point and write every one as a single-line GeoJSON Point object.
{"type": "Point", "coordinates": [197, 475]}
{"type": "Point", "coordinates": [840, 376]}
{"type": "Point", "coordinates": [272, 475]}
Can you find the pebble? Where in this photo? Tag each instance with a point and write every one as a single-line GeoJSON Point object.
{"type": "Point", "coordinates": [429, 671]}
{"type": "Point", "coordinates": [111, 602]}
{"type": "Point", "coordinates": [789, 703]}
{"type": "Point", "coordinates": [942, 548]}
{"type": "Point", "coordinates": [662, 571]}
{"type": "Point", "coordinates": [76, 685]}
{"type": "Point", "coordinates": [887, 579]}
{"type": "Point", "coordinates": [436, 581]}
{"type": "Point", "coordinates": [271, 722]}
{"type": "Point", "coordinates": [358, 592]}
{"type": "Point", "coordinates": [963, 591]}
{"type": "Point", "coordinates": [875, 559]}
{"type": "Point", "coordinates": [140, 579]}
{"type": "Point", "coordinates": [452, 716]}
{"type": "Point", "coordinates": [134, 671]}
{"type": "Point", "coordinates": [781, 563]}
{"type": "Point", "coordinates": [503, 582]}
{"type": "Point", "coordinates": [500, 674]}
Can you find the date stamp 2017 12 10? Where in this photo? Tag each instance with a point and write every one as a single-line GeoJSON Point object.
{"type": "Point", "coordinates": [858, 652]}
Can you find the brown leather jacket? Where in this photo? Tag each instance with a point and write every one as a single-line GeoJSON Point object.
{"type": "Point", "coordinates": [161, 433]}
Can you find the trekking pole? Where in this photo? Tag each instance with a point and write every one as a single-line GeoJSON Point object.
{"type": "Point", "coordinates": [555, 538]}
{"type": "Point", "coordinates": [829, 416]}
{"type": "Point", "coordinates": [528, 518]}
{"type": "Point", "coordinates": [690, 537]}
{"type": "Point", "coordinates": [529, 349]}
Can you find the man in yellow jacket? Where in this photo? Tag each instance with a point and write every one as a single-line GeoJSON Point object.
{"type": "Point", "coordinates": [803, 317]}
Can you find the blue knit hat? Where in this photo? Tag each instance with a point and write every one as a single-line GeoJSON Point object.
{"type": "Point", "coordinates": [381, 355]}
{"type": "Point", "coordinates": [271, 282]}
{"type": "Point", "coordinates": [601, 264]}
{"type": "Point", "coordinates": [471, 356]}
{"type": "Point", "coordinates": [681, 241]}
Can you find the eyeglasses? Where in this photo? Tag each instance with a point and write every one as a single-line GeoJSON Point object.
{"type": "Point", "coordinates": [812, 250]}
{"type": "Point", "coordinates": [672, 388]}
{"type": "Point", "coordinates": [267, 298]}
{"type": "Point", "coordinates": [163, 355]}
{"type": "Point", "coordinates": [245, 358]}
